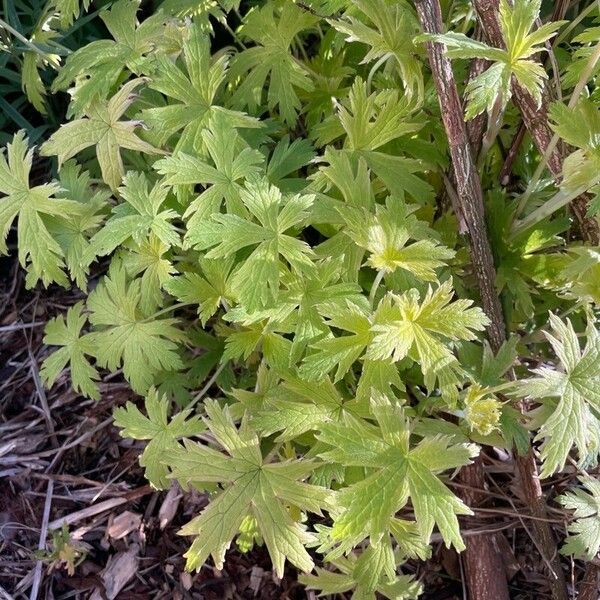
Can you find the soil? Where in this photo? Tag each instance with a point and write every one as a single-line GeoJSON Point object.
{"type": "Point", "coordinates": [62, 459]}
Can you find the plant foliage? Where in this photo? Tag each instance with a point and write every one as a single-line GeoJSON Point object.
{"type": "Point", "coordinates": [268, 211]}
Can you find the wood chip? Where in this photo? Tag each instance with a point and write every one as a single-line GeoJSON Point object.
{"type": "Point", "coordinates": [168, 509]}
{"type": "Point", "coordinates": [124, 524]}
{"type": "Point", "coordinates": [186, 581]}
{"type": "Point", "coordinates": [256, 576]}
{"type": "Point", "coordinates": [119, 570]}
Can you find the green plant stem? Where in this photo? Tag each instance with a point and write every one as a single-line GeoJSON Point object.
{"type": "Point", "coordinates": [381, 61]}
{"type": "Point", "coordinates": [560, 199]}
{"type": "Point", "coordinates": [583, 79]}
{"type": "Point", "coordinates": [495, 123]}
{"type": "Point", "coordinates": [378, 279]}
{"type": "Point", "coordinates": [167, 310]}
{"type": "Point", "coordinates": [28, 43]}
{"type": "Point", "coordinates": [207, 385]}
{"type": "Point", "coordinates": [582, 15]}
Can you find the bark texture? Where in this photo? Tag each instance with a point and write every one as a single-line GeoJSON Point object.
{"type": "Point", "coordinates": [536, 121]}
{"type": "Point", "coordinates": [484, 568]}
{"type": "Point", "coordinates": [589, 588]}
{"type": "Point", "coordinates": [468, 184]}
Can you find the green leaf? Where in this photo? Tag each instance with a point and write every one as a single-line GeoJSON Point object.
{"type": "Point", "coordinates": [390, 34]}
{"type": "Point", "coordinates": [72, 231]}
{"type": "Point", "coordinates": [341, 352]}
{"type": "Point", "coordinates": [66, 332]}
{"type": "Point", "coordinates": [372, 120]}
{"type": "Point", "coordinates": [233, 162]}
{"type": "Point", "coordinates": [32, 82]}
{"type": "Point", "coordinates": [39, 252]}
{"type": "Point", "coordinates": [288, 157]}
{"type": "Point", "coordinates": [273, 31]}
{"type": "Point", "coordinates": [576, 386]}
{"type": "Point", "coordinates": [69, 10]}
{"type": "Point", "coordinates": [407, 326]}
{"type": "Point", "coordinates": [397, 473]}
{"type": "Point", "coordinates": [308, 296]}
{"type": "Point", "coordinates": [102, 128]}
{"type": "Point", "coordinates": [138, 217]}
{"type": "Point", "coordinates": [298, 406]}
{"type": "Point", "coordinates": [195, 89]}
{"type": "Point", "coordinates": [367, 573]}
{"type": "Point", "coordinates": [129, 337]}
{"type": "Point", "coordinates": [578, 126]}
{"type": "Point", "coordinates": [207, 291]}
{"type": "Point", "coordinates": [387, 243]}
{"type": "Point", "coordinates": [250, 487]}
{"type": "Point", "coordinates": [162, 432]}
{"type": "Point", "coordinates": [257, 278]}
{"type": "Point", "coordinates": [148, 259]}
{"type": "Point", "coordinates": [104, 60]}
{"type": "Point", "coordinates": [583, 540]}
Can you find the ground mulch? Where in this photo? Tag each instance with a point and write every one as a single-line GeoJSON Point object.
{"type": "Point", "coordinates": [63, 462]}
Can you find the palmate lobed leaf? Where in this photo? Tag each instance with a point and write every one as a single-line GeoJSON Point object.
{"type": "Point", "coordinates": [270, 217]}
{"type": "Point", "coordinates": [273, 31]}
{"type": "Point", "coordinates": [126, 336]}
{"type": "Point", "coordinates": [102, 128]}
{"type": "Point", "coordinates": [576, 385]}
{"type": "Point", "coordinates": [584, 532]}
{"type": "Point", "coordinates": [233, 162]}
{"type": "Point", "coordinates": [250, 486]}
{"type": "Point", "coordinates": [96, 67]}
{"type": "Point", "coordinates": [66, 332]}
{"type": "Point", "coordinates": [137, 218]}
{"type": "Point", "coordinates": [195, 90]}
{"type": "Point", "coordinates": [397, 473]}
{"type": "Point", "coordinates": [389, 33]}
{"type": "Point", "coordinates": [372, 573]}
{"type": "Point", "coordinates": [162, 433]}
{"type": "Point", "coordinates": [39, 252]}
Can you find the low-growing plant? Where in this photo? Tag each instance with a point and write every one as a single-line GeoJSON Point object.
{"type": "Point", "coordinates": [35, 38]}
{"type": "Point", "coordinates": [281, 259]}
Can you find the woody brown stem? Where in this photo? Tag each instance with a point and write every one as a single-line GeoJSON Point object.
{"type": "Point", "coordinates": [468, 185]}
{"type": "Point", "coordinates": [536, 120]}
{"type": "Point", "coordinates": [558, 14]}
{"type": "Point", "coordinates": [475, 132]}
{"type": "Point", "coordinates": [484, 568]}
{"type": "Point", "coordinates": [589, 587]}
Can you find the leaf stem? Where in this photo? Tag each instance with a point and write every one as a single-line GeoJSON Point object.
{"type": "Point", "coordinates": [378, 279]}
{"type": "Point", "coordinates": [495, 123]}
{"type": "Point", "coordinates": [381, 61]}
{"type": "Point", "coordinates": [560, 199]}
{"type": "Point", "coordinates": [28, 43]}
{"type": "Point", "coordinates": [583, 79]}
{"type": "Point", "coordinates": [207, 385]}
{"type": "Point", "coordinates": [167, 310]}
{"type": "Point", "coordinates": [582, 15]}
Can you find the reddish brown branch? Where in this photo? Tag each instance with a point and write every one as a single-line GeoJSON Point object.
{"type": "Point", "coordinates": [468, 185]}
{"type": "Point", "coordinates": [483, 562]}
{"type": "Point", "coordinates": [536, 120]}
{"type": "Point", "coordinates": [475, 132]}
{"type": "Point", "coordinates": [542, 533]}
{"type": "Point", "coordinates": [589, 588]}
